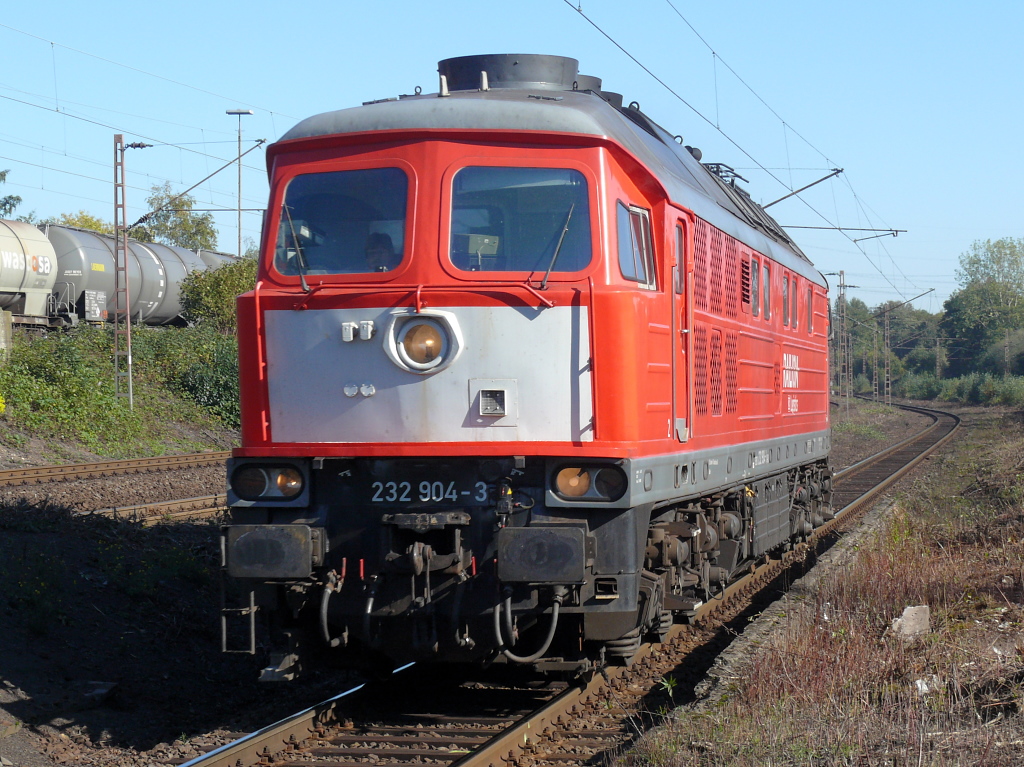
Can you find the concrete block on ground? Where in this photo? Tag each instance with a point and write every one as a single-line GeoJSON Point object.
{"type": "Point", "coordinates": [915, 622]}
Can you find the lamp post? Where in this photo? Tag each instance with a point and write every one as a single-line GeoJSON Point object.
{"type": "Point", "coordinates": [239, 113]}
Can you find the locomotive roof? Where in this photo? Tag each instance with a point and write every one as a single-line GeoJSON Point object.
{"type": "Point", "coordinates": [541, 108]}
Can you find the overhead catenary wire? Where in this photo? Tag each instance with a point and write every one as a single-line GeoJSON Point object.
{"type": "Point", "coordinates": [177, 197]}
{"type": "Point", "coordinates": [140, 71]}
{"type": "Point", "coordinates": [60, 106]}
{"type": "Point", "coordinates": [62, 109]}
{"type": "Point", "coordinates": [103, 181]}
{"type": "Point", "coordinates": [732, 141]}
{"type": "Point", "coordinates": [156, 141]}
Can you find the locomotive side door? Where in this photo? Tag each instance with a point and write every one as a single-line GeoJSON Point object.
{"type": "Point", "coordinates": [681, 237]}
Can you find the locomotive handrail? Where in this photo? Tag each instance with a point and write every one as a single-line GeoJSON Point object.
{"type": "Point", "coordinates": [415, 293]}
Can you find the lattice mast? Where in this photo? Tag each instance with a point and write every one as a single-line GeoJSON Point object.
{"type": "Point", "coordinates": [874, 362]}
{"type": "Point", "coordinates": [888, 354]}
{"type": "Point", "coordinates": [843, 343]}
{"type": "Point", "coordinates": [122, 302]}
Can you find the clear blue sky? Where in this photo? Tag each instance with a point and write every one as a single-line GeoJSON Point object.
{"type": "Point", "coordinates": [919, 102]}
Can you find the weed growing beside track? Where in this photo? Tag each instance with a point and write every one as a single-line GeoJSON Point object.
{"type": "Point", "coordinates": [59, 388]}
{"type": "Point", "coordinates": [834, 685]}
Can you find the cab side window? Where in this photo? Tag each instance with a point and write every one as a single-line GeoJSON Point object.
{"type": "Point", "coordinates": [785, 299]}
{"type": "Point", "coordinates": [793, 313]}
{"type": "Point", "coordinates": [680, 262]}
{"type": "Point", "coordinates": [636, 256]}
{"type": "Point", "coordinates": [755, 284]}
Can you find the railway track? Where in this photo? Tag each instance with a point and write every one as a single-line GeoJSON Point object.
{"type": "Point", "coordinates": [183, 510]}
{"type": "Point", "coordinates": [40, 474]}
{"type": "Point", "coordinates": [415, 717]}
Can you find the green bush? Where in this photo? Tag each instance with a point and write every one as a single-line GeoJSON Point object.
{"type": "Point", "coordinates": [213, 384]}
{"type": "Point", "coordinates": [57, 386]}
{"type": "Point", "coordinates": [199, 363]}
{"type": "Point", "coordinates": [208, 297]}
{"type": "Point", "coordinates": [918, 386]}
{"type": "Point", "coordinates": [60, 387]}
{"type": "Point", "coordinates": [973, 389]}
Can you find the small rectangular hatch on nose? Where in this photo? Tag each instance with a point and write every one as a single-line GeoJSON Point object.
{"type": "Point", "coordinates": [494, 401]}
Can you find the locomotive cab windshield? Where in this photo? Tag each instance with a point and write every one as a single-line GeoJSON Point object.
{"type": "Point", "coordinates": [343, 222]}
{"type": "Point", "coordinates": [510, 219]}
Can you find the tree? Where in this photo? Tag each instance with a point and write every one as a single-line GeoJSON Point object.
{"type": "Point", "coordinates": [999, 264]}
{"type": "Point", "coordinates": [209, 297]}
{"type": "Point", "coordinates": [975, 319]}
{"type": "Point", "coordinates": [989, 304]}
{"type": "Point", "coordinates": [252, 248]}
{"type": "Point", "coordinates": [80, 220]}
{"type": "Point", "coordinates": [176, 224]}
{"type": "Point", "coordinates": [11, 201]}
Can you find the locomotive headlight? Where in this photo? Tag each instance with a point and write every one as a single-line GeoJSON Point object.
{"type": "Point", "coordinates": [254, 483]}
{"type": "Point", "coordinates": [422, 343]}
{"type": "Point", "coordinates": [572, 483]}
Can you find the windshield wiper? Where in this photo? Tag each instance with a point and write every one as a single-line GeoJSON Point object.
{"type": "Point", "coordinates": [300, 257]}
{"type": "Point", "coordinates": [558, 247]}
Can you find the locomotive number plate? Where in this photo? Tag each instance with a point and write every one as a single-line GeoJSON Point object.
{"type": "Point", "coordinates": [427, 491]}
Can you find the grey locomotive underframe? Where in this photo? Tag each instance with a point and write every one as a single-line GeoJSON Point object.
{"type": "Point", "coordinates": [362, 549]}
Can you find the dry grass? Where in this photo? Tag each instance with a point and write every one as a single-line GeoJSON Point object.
{"type": "Point", "coordinates": [835, 685]}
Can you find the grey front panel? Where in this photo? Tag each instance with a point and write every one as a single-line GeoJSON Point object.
{"type": "Point", "coordinates": [538, 357]}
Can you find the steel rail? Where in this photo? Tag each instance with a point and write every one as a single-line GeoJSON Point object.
{"type": "Point", "coordinates": [935, 415]}
{"type": "Point", "coordinates": [527, 735]}
{"type": "Point", "coordinates": [166, 511]}
{"type": "Point", "coordinates": [40, 474]}
{"type": "Point", "coordinates": [253, 747]}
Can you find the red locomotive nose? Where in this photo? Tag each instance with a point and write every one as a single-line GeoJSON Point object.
{"type": "Point", "coordinates": [515, 322]}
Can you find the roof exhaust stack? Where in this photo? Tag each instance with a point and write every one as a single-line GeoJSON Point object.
{"type": "Point", "coordinates": [523, 71]}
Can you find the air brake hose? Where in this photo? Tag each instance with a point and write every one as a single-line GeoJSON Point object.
{"type": "Point", "coordinates": [329, 588]}
{"type": "Point", "coordinates": [368, 614]}
{"type": "Point", "coordinates": [507, 604]}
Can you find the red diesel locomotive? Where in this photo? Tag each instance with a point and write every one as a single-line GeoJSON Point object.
{"type": "Point", "coordinates": [522, 380]}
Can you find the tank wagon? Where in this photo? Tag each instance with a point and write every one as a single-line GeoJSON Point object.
{"type": "Point", "coordinates": [28, 271]}
{"type": "Point", "coordinates": [60, 275]}
{"type": "Point", "coordinates": [522, 380]}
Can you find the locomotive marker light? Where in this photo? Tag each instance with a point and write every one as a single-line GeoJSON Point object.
{"type": "Point", "coordinates": [572, 483]}
{"type": "Point", "coordinates": [251, 483]}
{"type": "Point", "coordinates": [590, 483]}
